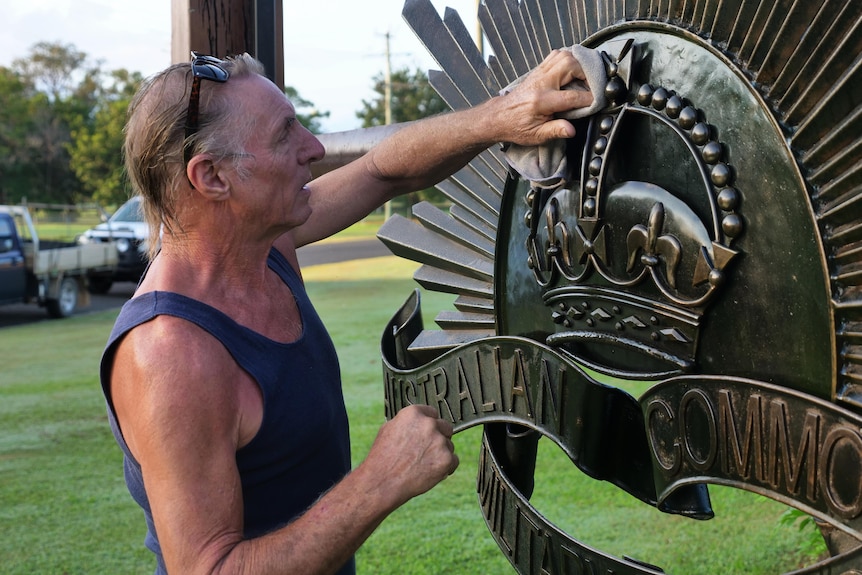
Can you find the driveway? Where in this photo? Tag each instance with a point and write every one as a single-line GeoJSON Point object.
{"type": "Point", "coordinates": [315, 254]}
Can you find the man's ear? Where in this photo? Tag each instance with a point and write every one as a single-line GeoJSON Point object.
{"type": "Point", "coordinates": [207, 178]}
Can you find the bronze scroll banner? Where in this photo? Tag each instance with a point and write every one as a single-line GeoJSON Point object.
{"type": "Point", "coordinates": [683, 433]}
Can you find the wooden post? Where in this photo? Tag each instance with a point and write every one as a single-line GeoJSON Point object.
{"type": "Point", "coordinates": [221, 28]}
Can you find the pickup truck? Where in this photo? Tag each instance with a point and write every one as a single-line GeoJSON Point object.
{"type": "Point", "coordinates": [53, 274]}
{"type": "Point", "coordinates": [128, 230]}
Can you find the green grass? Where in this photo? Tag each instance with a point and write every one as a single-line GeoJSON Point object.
{"type": "Point", "coordinates": [366, 228]}
{"type": "Point", "coordinates": [69, 231]}
{"type": "Point", "coordinates": [63, 504]}
{"type": "Point", "coordinates": [59, 225]}
{"type": "Point", "coordinates": [64, 508]}
{"type": "Point", "coordinates": [63, 232]}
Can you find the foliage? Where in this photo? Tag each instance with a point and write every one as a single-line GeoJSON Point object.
{"type": "Point", "coordinates": [813, 544]}
{"type": "Point", "coordinates": [306, 112]}
{"type": "Point", "coordinates": [61, 127]}
{"type": "Point", "coordinates": [413, 98]}
{"type": "Point", "coordinates": [52, 68]}
{"type": "Point", "coordinates": [96, 147]}
{"type": "Point", "coordinates": [16, 125]}
{"type": "Point", "coordinates": [41, 95]}
{"type": "Point", "coordinates": [61, 87]}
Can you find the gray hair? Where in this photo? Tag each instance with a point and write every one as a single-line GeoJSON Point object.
{"type": "Point", "coordinates": [155, 137]}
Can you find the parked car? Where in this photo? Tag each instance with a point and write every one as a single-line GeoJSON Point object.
{"type": "Point", "coordinates": [51, 273]}
{"type": "Point", "coordinates": [127, 229]}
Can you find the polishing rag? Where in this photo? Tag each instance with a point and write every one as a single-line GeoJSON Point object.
{"type": "Point", "coordinates": [545, 165]}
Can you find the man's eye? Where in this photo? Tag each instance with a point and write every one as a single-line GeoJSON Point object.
{"type": "Point", "coordinates": [285, 133]}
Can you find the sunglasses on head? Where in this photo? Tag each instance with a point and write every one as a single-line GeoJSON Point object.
{"type": "Point", "coordinates": [203, 68]}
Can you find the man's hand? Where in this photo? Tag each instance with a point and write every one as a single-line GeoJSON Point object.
{"type": "Point", "coordinates": [531, 107]}
{"type": "Point", "coordinates": [413, 452]}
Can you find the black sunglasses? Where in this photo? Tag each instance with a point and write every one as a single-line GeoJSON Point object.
{"type": "Point", "coordinates": [203, 68]}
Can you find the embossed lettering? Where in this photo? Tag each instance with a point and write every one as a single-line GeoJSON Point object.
{"type": "Point", "coordinates": [546, 561]}
{"type": "Point", "coordinates": [464, 393]}
{"type": "Point", "coordinates": [492, 493]}
{"type": "Point", "coordinates": [660, 420]}
{"type": "Point", "coordinates": [482, 479]}
{"type": "Point", "coordinates": [519, 384]}
{"type": "Point", "coordinates": [487, 406]}
{"type": "Point", "coordinates": [841, 480]}
{"type": "Point", "coordinates": [509, 533]}
{"type": "Point", "coordinates": [752, 438]}
{"type": "Point", "coordinates": [695, 429]}
{"type": "Point", "coordinates": [441, 389]}
{"type": "Point", "coordinates": [389, 407]}
{"type": "Point", "coordinates": [779, 448]}
{"type": "Point", "coordinates": [763, 441]}
{"type": "Point", "coordinates": [420, 384]}
{"type": "Point", "coordinates": [400, 392]}
{"type": "Point", "coordinates": [571, 560]}
{"type": "Point", "coordinates": [533, 539]}
{"type": "Point", "coordinates": [499, 502]}
{"type": "Point", "coordinates": [547, 411]}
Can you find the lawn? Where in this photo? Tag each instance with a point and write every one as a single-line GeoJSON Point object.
{"type": "Point", "coordinates": [61, 225]}
{"type": "Point", "coordinates": [64, 508]}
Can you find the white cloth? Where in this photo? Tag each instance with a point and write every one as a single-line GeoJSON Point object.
{"type": "Point", "coordinates": [545, 166]}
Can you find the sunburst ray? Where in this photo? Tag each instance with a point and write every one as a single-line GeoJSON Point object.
{"type": "Point", "coordinates": [803, 57]}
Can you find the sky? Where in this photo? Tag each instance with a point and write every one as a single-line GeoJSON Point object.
{"type": "Point", "coordinates": [333, 48]}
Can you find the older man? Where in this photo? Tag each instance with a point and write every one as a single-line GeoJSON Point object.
{"type": "Point", "coordinates": [223, 386]}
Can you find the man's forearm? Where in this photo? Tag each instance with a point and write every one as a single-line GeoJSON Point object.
{"type": "Point", "coordinates": [320, 541]}
{"type": "Point", "coordinates": [426, 152]}
{"type": "Point", "coordinates": [417, 156]}
{"type": "Point", "coordinates": [412, 453]}
{"type": "Point", "coordinates": [423, 153]}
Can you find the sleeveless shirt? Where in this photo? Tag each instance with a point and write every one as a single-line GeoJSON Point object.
{"type": "Point", "coordinates": [303, 446]}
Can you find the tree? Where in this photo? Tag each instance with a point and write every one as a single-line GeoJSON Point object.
{"type": "Point", "coordinates": [63, 88]}
{"type": "Point", "coordinates": [306, 112]}
{"type": "Point", "coordinates": [61, 127]}
{"type": "Point", "coordinates": [413, 98]}
{"type": "Point", "coordinates": [96, 147]}
{"type": "Point", "coordinates": [15, 128]}
{"type": "Point", "coordinates": [51, 68]}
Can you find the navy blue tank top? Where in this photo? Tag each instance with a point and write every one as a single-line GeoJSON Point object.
{"type": "Point", "coordinates": [303, 446]}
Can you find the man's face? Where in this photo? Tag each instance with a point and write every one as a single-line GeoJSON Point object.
{"type": "Point", "coordinates": [280, 150]}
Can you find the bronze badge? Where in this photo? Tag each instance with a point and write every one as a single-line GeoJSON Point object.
{"type": "Point", "coordinates": [707, 241]}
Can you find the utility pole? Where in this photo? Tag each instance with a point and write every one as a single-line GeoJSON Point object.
{"type": "Point", "coordinates": [387, 90]}
{"type": "Point", "coordinates": [387, 110]}
{"type": "Point", "coordinates": [480, 37]}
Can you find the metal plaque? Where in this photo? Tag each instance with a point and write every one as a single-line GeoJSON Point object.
{"type": "Point", "coordinates": [707, 241]}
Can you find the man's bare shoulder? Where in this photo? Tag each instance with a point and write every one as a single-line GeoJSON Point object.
{"type": "Point", "coordinates": [169, 372]}
{"type": "Point", "coordinates": [167, 341]}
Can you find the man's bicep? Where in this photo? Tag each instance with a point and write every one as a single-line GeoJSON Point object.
{"type": "Point", "coordinates": [181, 430]}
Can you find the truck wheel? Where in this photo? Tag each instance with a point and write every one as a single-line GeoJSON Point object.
{"type": "Point", "coordinates": [65, 304]}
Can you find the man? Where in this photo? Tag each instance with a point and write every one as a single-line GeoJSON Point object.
{"type": "Point", "coordinates": [222, 385]}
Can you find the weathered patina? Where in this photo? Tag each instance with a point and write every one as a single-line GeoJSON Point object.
{"type": "Point", "coordinates": [707, 242]}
